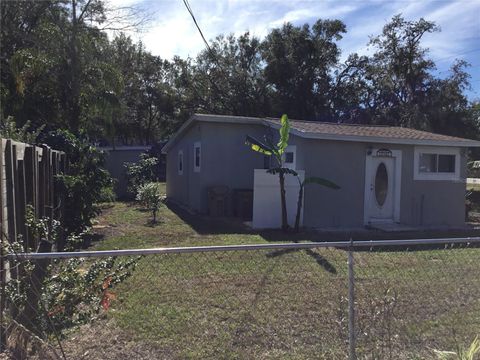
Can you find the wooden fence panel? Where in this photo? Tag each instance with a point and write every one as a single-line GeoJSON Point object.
{"type": "Point", "coordinates": [27, 178]}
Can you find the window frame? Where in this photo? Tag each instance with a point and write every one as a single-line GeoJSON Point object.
{"type": "Point", "coordinates": [449, 176]}
{"type": "Point", "coordinates": [197, 145]}
{"type": "Point", "coordinates": [180, 161]}
{"type": "Point", "coordinates": [293, 164]}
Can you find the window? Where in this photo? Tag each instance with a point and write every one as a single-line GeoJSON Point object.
{"type": "Point", "coordinates": [180, 162]}
{"type": "Point", "coordinates": [428, 163]}
{"type": "Point", "coordinates": [266, 161]}
{"type": "Point", "coordinates": [446, 163]}
{"type": "Point", "coordinates": [197, 157]}
{"type": "Point", "coordinates": [289, 157]}
{"type": "Point", "coordinates": [437, 164]}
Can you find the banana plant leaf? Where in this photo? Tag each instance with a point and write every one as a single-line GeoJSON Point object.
{"type": "Point", "coordinates": [321, 181]}
{"type": "Point", "coordinates": [258, 146]}
{"type": "Point", "coordinates": [284, 134]}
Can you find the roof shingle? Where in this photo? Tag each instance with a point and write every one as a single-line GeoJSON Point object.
{"type": "Point", "coordinates": [376, 131]}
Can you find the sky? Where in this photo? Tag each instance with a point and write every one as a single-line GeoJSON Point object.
{"type": "Point", "coordinates": [171, 30]}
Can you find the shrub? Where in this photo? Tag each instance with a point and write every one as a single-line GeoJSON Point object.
{"type": "Point", "coordinates": [55, 295]}
{"type": "Point", "coordinates": [140, 173]}
{"type": "Point", "coordinates": [9, 130]}
{"type": "Point", "coordinates": [151, 197]}
{"type": "Point", "coordinates": [85, 181]}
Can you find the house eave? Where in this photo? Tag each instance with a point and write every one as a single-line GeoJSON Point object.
{"type": "Point", "coordinates": [201, 118]}
{"type": "Point", "coordinates": [311, 135]}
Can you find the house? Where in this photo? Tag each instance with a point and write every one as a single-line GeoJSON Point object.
{"type": "Point", "coordinates": [386, 174]}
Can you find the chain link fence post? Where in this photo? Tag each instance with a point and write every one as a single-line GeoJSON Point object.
{"type": "Point", "coordinates": [351, 304]}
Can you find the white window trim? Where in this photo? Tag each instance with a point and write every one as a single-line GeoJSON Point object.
{"type": "Point", "coordinates": [417, 175]}
{"type": "Point", "coordinates": [293, 149]}
{"type": "Point", "coordinates": [180, 156]}
{"type": "Point", "coordinates": [197, 145]}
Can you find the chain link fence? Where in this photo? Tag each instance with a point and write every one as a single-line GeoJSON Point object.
{"type": "Point", "coordinates": [367, 300]}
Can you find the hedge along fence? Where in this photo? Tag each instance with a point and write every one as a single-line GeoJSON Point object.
{"type": "Point", "coordinates": [27, 174]}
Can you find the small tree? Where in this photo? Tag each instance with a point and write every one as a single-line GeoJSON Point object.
{"type": "Point", "coordinates": [151, 197]}
{"type": "Point", "coordinates": [276, 150]}
{"type": "Point", "coordinates": [142, 172]}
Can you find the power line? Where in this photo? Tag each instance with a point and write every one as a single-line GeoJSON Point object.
{"type": "Point", "coordinates": [189, 9]}
{"type": "Point", "coordinates": [211, 52]}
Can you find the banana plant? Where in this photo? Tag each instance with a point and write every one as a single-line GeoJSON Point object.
{"type": "Point", "coordinates": [276, 150]}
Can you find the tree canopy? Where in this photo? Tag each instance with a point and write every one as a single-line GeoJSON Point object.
{"type": "Point", "coordinates": [59, 69]}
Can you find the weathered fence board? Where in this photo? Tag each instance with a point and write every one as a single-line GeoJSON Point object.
{"type": "Point", "coordinates": [27, 178]}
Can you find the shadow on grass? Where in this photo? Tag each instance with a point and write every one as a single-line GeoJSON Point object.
{"type": "Point", "coordinates": [323, 262]}
{"type": "Point", "coordinates": [206, 225]}
{"type": "Point", "coordinates": [92, 238]}
{"type": "Point", "coordinates": [152, 224]}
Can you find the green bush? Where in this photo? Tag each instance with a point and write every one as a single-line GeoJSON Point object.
{"type": "Point", "coordinates": [86, 181]}
{"type": "Point", "coordinates": [142, 172]}
{"type": "Point", "coordinates": [72, 291]}
{"type": "Point", "coordinates": [9, 130]}
{"type": "Point", "coordinates": [151, 197]}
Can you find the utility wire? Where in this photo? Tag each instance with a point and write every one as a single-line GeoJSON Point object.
{"type": "Point", "coordinates": [189, 9]}
{"type": "Point", "coordinates": [210, 50]}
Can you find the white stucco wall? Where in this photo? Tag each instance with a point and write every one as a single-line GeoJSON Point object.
{"type": "Point", "coordinates": [267, 213]}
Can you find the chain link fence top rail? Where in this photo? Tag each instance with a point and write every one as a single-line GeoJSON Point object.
{"type": "Point", "coordinates": [250, 301]}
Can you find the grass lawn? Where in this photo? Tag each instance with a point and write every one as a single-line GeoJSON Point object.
{"type": "Point", "coordinates": [282, 304]}
{"type": "Point", "coordinates": [474, 187]}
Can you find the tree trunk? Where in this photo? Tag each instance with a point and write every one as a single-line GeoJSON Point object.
{"type": "Point", "coordinates": [283, 200]}
{"type": "Point", "coordinates": [299, 208]}
{"type": "Point", "coordinates": [74, 96]}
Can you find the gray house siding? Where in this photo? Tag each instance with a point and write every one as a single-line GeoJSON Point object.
{"type": "Point", "coordinates": [342, 163]}
{"type": "Point", "coordinates": [184, 188]}
{"type": "Point", "coordinates": [115, 160]}
{"type": "Point", "coordinates": [431, 202]}
{"type": "Point", "coordinates": [422, 202]}
{"type": "Point", "coordinates": [226, 161]}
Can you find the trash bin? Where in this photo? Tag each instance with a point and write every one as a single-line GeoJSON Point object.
{"type": "Point", "coordinates": [243, 203]}
{"type": "Point", "coordinates": [218, 201]}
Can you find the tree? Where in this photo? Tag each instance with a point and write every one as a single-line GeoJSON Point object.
{"type": "Point", "coordinates": [150, 196]}
{"type": "Point", "coordinates": [396, 85]}
{"type": "Point", "coordinates": [299, 65]}
{"type": "Point", "coordinates": [270, 149]}
{"type": "Point", "coordinates": [229, 77]}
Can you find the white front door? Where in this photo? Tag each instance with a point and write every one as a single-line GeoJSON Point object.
{"type": "Point", "coordinates": [382, 187]}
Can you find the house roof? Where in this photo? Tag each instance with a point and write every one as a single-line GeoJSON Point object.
{"type": "Point", "coordinates": [387, 133]}
{"type": "Point", "coordinates": [340, 132]}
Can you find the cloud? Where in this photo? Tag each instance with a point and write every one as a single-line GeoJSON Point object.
{"type": "Point", "coordinates": [174, 33]}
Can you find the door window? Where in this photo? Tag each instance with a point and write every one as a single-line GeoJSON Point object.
{"type": "Point", "coordinates": [381, 184]}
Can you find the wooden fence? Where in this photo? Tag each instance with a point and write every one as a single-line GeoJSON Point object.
{"type": "Point", "coordinates": [27, 177]}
